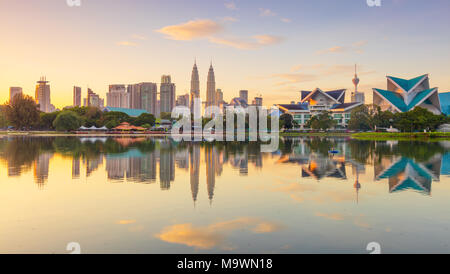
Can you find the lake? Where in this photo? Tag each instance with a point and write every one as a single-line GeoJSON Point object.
{"type": "Point", "coordinates": [153, 195]}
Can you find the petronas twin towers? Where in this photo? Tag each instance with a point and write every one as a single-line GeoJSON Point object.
{"type": "Point", "coordinates": [210, 87]}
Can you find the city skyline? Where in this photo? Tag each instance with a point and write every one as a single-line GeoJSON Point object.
{"type": "Point", "coordinates": [262, 47]}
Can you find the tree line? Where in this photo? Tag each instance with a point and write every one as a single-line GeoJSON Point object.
{"type": "Point", "coordinates": [23, 113]}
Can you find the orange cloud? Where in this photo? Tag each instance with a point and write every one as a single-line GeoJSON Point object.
{"type": "Point", "coordinates": [214, 235]}
{"type": "Point", "coordinates": [255, 42]}
{"type": "Point", "coordinates": [194, 29]}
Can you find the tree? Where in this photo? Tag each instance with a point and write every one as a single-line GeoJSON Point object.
{"type": "Point", "coordinates": [3, 120]}
{"type": "Point", "coordinates": [46, 120]}
{"type": "Point", "coordinates": [286, 121]}
{"type": "Point", "coordinates": [166, 116]}
{"type": "Point", "coordinates": [418, 119]}
{"type": "Point", "coordinates": [360, 119]}
{"type": "Point", "coordinates": [22, 112]}
{"type": "Point", "coordinates": [145, 118]}
{"type": "Point", "coordinates": [322, 121]}
{"type": "Point", "coordinates": [67, 121]}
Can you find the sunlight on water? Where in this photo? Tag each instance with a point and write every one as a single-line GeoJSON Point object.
{"type": "Point", "coordinates": [153, 195]}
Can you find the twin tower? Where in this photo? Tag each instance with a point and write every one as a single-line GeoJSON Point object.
{"type": "Point", "coordinates": [211, 99]}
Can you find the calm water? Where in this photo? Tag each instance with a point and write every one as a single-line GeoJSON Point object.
{"type": "Point", "coordinates": [150, 195]}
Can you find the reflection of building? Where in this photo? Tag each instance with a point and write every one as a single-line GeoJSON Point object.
{"type": "Point", "coordinates": [92, 164]}
{"type": "Point", "coordinates": [166, 168]}
{"type": "Point", "coordinates": [41, 166]}
{"type": "Point", "coordinates": [194, 170]}
{"type": "Point", "coordinates": [404, 95]}
{"type": "Point", "coordinates": [75, 167]}
{"type": "Point", "coordinates": [210, 160]}
{"type": "Point", "coordinates": [320, 167]}
{"type": "Point", "coordinates": [404, 173]}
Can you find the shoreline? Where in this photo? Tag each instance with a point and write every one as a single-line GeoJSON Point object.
{"type": "Point", "coordinates": [360, 136]}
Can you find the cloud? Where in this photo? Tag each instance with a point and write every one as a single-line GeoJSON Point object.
{"type": "Point", "coordinates": [266, 13]}
{"type": "Point", "coordinates": [126, 222]}
{"type": "Point", "coordinates": [209, 29]}
{"type": "Point", "coordinates": [286, 20]}
{"type": "Point", "coordinates": [138, 37]}
{"type": "Point", "coordinates": [293, 78]}
{"type": "Point", "coordinates": [255, 42]}
{"type": "Point", "coordinates": [202, 28]}
{"type": "Point", "coordinates": [229, 19]}
{"type": "Point", "coordinates": [214, 235]}
{"type": "Point", "coordinates": [127, 44]}
{"type": "Point", "coordinates": [356, 47]}
{"type": "Point", "coordinates": [231, 6]}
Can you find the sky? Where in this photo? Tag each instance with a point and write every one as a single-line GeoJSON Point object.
{"type": "Point", "coordinates": [273, 48]}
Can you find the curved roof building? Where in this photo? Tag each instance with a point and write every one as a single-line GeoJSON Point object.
{"type": "Point", "coordinates": [404, 95]}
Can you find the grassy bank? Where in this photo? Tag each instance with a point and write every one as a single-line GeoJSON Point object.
{"type": "Point", "coordinates": [315, 134]}
{"type": "Point", "coordinates": [402, 135]}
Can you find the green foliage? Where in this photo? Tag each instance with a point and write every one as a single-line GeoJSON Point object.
{"type": "Point", "coordinates": [418, 119]}
{"type": "Point", "coordinates": [67, 121]}
{"type": "Point", "coordinates": [166, 116]}
{"type": "Point", "coordinates": [322, 121]}
{"type": "Point", "coordinates": [22, 112]}
{"type": "Point", "coordinates": [286, 121]}
{"type": "Point", "coordinates": [46, 120]}
{"type": "Point", "coordinates": [3, 120]}
{"type": "Point", "coordinates": [145, 118]}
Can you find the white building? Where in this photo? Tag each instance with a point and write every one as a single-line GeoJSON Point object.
{"type": "Point", "coordinates": [118, 97]}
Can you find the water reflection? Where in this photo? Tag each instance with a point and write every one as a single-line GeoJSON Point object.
{"type": "Point", "coordinates": [404, 165]}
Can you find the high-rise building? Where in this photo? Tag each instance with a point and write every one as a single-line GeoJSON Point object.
{"type": "Point", "coordinates": [13, 91]}
{"type": "Point", "coordinates": [167, 94]}
{"type": "Point", "coordinates": [258, 101]}
{"type": "Point", "coordinates": [183, 100]}
{"type": "Point", "coordinates": [76, 96]}
{"type": "Point", "coordinates": [195, 86]}
{"type": "Point", "coordinates": [243, 94]}
{"type": "Point", "coordinates": [42, 95]}
{"type": "Point", "coordinates": [94, 100]}
{"type": "Point", "coordinates": [149, 97]}
{"type": "Point", "coordinates": [135, 96]}
{"type": "Point", "coordinates": [118, 97]}
{"type": "Point", "coordinates": [211, 88]}
{"type": "Point", "coordinates": [219, 97]}
{"type": "Point", "coordinates": [357, 97]}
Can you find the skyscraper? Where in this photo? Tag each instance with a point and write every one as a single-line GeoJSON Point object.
{"type": "Point", "coordinates": [149, 97]}
{"type": "Point", "coordinates": [13, 91]}
{"type": "Point", "coordinates": [219, 97]}
{"type": "Point", "coordinates": [135, 96]}
{"type": "Point", "coordinates": [243, 94]}
{"type": "Point", "coordinates": [211, 88]}
{"type": "Point", "coordinates": [167, 94]}
{"type": "Point", "coordinates": [357, 97]}
{"type": "Point", "coordinates": [183, 100]}
{"type": "Point", "coordinates": [118, 97]}
{"type": "Point", "coordinates": [94, 100]}
{"type": "Point", "coordinates": [76, 96]}
{"type": "Point", "coordinates": [195, 86]}
{"type": "Point", "coordinates": [42, 95]}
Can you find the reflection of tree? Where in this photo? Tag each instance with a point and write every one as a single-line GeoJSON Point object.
{"type": "Point", "coordinates": [20, 153]}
